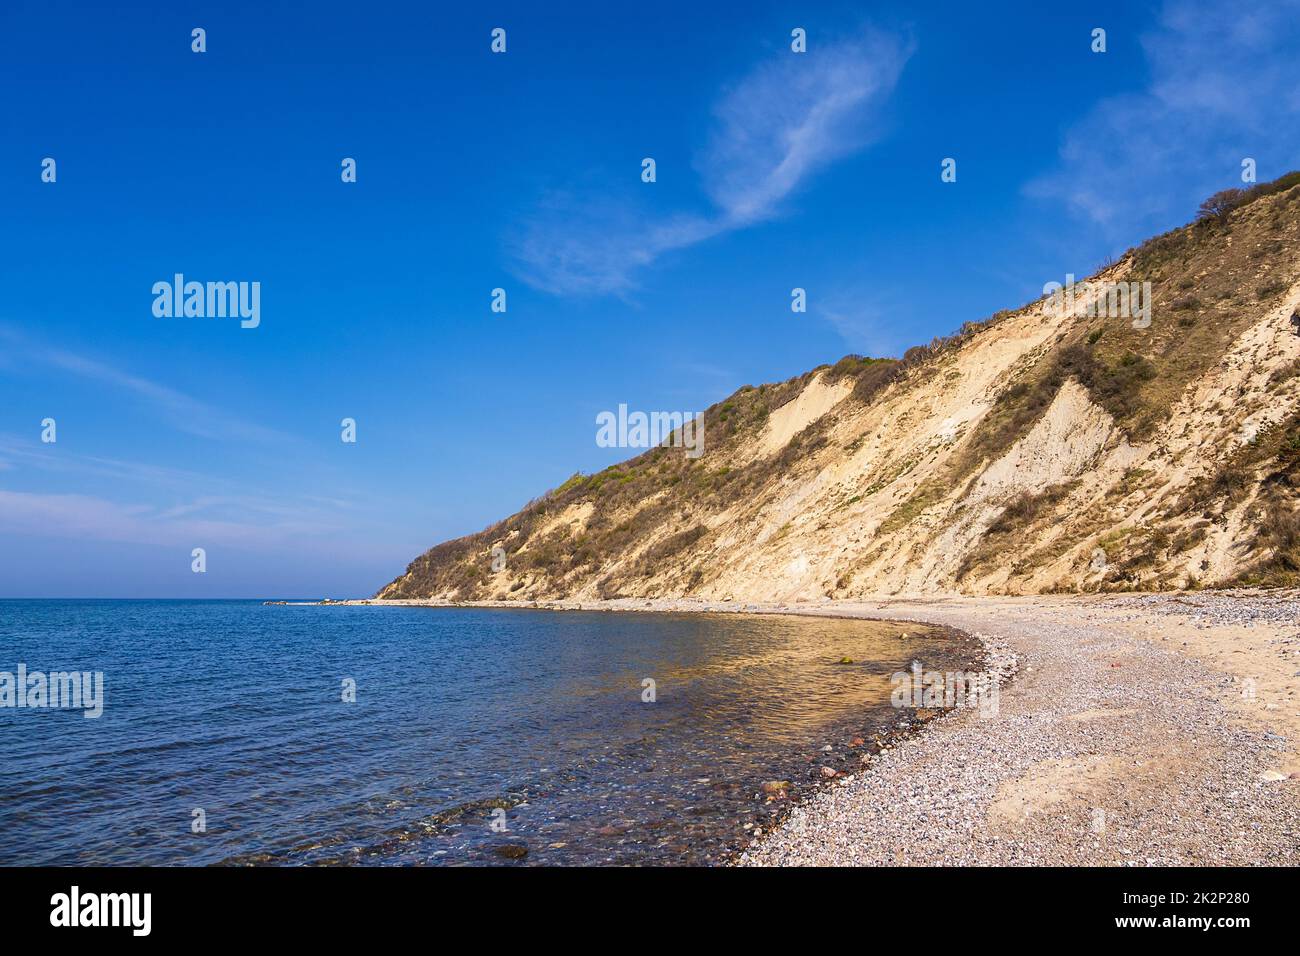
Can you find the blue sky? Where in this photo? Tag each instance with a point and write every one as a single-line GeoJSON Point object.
{"type": "Point", "coordinates": [522, 171]}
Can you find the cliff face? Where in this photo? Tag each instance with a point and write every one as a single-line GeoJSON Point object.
{"type": "Point", "coordinates": [1052, 448]}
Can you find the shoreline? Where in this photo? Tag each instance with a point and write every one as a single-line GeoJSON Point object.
{"type": "Point", "coordinates": [1140, 729]}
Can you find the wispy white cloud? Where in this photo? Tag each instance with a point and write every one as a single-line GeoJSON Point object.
{"type": "Point", "coordinates": [235, 521]}
{"type": "Point", "coordinates": [787, 119]}
{"type": "Point", "coordinates": [867, 321]}
{"type": "Point", "coordinates": [594, 245]}
{"type": "Point", "coordinates": [1224, 85]}
{"type": "Point", "coordinates": [171, 507]}
{"type": "Point", "coordinates": [182, 411]}
{"type": "Point", "coordinates": [792, 116]}
{"type": "Point", "coordinates": [18, 452]}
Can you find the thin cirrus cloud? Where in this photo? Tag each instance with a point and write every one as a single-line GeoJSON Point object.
{"type": "Point", "coordinates": [204, 508]}
{"type": "Point", "coordinates": [1224, 85]}
{"type": "Point", "coordinates": [788, 118]}
{"type": "Point", "coordinates": [185, 413]}
{"type": "Point", "coordinates": [90, 517]}
{"type": "Point", "coordinates": [866, 320]}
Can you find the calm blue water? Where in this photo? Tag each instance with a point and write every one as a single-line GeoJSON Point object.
{"type": "Point", "coordinates": [236, 709]}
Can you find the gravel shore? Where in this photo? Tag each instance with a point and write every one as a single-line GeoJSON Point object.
{"type": "Point", "coordinates": [1110, 747]}
{"type": "Point", "coordinates": [1136, 730]}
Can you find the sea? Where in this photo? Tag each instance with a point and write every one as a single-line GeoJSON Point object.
{"type": "Point", "coordinates": [240, 733]}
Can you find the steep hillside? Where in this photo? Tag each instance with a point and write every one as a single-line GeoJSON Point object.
{"type": "Point", "coordinates": [1047, 449]}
